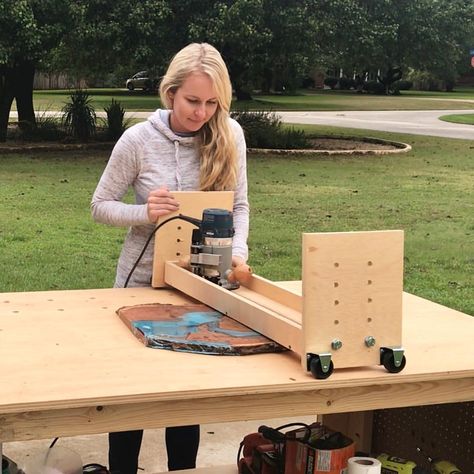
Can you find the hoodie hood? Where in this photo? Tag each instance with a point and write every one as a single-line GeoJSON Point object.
{"type": "Point", "coordinates": [177, 140]}
{"type": "Point", "coordinates": [163, 128]}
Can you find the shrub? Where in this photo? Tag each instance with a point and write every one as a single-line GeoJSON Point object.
{"type": "Point", "coordinates": [403, 85]}
{"type": "Point", "coordinates": [331, 82]}
{"type": "Point", "coordinates": [46, 128]}
{"type": "Point", "coordinates": [346, 83]}
{"type": "Point", "coordinates": [264, 130]}
{"type": "Point", "coordinates": [374, 87]}
{"type": "Point", "coordinates": [79, 115]}
{"type": "Point", "coordinates": [115, 123]}
{"type": "Point", "coordinates": [424, 81]}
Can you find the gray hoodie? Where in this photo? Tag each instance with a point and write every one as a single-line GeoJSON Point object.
{"type": "Point", "coordinates": [150, 155]}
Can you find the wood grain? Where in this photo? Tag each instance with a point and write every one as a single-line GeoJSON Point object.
{"type": "Point", "coordinates": [69, 366]}
{"type": "Point", "coordinates": [352, 289]}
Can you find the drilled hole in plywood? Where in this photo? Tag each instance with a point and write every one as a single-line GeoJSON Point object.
{"type": "Point", "coordinates": [369, 282]}
{"type": "Point", "coordinates": [178, 254]}
{"type": "Point", "coordinates": [370, 263]}
{"type": "Point", "coordinates": [336, 321]}
{"type": "Point", "coordinates": [179, 227]}
{"type": "Point", "coordinates": [178, 240]}
{"type": "Point", "coordinates": [336, 284]}
{"type": "Point", "coordinates": [369, 320]}
{"type": "Point", "coordinates": [336, 264]}
{"type": "Point", "coordinates": [336, 302]}
{"type": "Point", "coordinates": [369, 300]}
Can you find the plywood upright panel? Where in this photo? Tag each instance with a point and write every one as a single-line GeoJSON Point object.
{"type": "Point", "coordinates": [352, 290]}
{"type": "Point", "coordinates": [173, 240]}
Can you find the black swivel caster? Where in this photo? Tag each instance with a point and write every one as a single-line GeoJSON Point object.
{"type": "Point", "coordinates": [392, 359]}
{"type": "Point", "coordinates": [320, 365]}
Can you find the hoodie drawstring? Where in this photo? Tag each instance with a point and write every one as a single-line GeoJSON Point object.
{"type": "Point", "coordinates": [178, 168]}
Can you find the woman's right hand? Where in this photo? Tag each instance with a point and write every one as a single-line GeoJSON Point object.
{"type": "Point", "coordinates": [160, 202]}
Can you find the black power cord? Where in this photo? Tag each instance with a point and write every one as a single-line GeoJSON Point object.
{"type": "Point", "coordinates": [98, 468]}
{"type": "Point", "coordinates": [191, 220]}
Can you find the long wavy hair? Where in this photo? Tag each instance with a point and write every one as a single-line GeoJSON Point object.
{"type": "Point", "coordinates": [218, 151]}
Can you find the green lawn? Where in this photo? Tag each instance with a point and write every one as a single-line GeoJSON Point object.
{"type": "Point", "coordinates": [48, 240]}
{"type": "Point", "coordinates": [459, 118]}
{"type": "Point", "coordinates": [318, 100]}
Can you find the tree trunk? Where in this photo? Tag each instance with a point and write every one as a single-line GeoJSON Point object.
{"type": "Point", "coordinates": [24, 93]}
{"type": "Point", "coordinates": [16, 82]}
{"type": "Point", "coordinates": [6, 99]}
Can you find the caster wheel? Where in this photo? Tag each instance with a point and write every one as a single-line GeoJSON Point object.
{"type": "Point", "coordinates": [388, 361]}
{"type": "Point", "coordinates": [316, 368]}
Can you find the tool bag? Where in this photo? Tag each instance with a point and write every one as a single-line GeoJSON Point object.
{"type": "Point", "coordinates": [264, 452]}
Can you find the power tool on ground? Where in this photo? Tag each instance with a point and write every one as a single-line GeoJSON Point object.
{"type": "Point", "coordinates": [443, 467]}
{"type": "Point", "coordinates": [439, 466]}
{"type": "Point", "coordinates": [396, 465]}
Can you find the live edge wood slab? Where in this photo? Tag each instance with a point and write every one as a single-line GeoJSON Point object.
{"type": "Point", "coordinates": [69, 366]}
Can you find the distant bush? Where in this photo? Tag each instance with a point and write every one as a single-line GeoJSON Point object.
{"type": "Point", "coordinates": [79, 115]}
{"type": "Point", "coordinates": [403, 85]}
{"type": "Point", "coordinates": [331, 82]}
{"type": "Point", "coordinates": [425, 81]}
{"type": "Point", "coordinates": [264, 130]}
{"type": "Point", "coordinates": [374, 87]}
{"type": "Point", "coordinates": [46, 128]}
{"type": "Point", "coordinates": [346, 83]}
{"type": "Point", "coordinates": [115, 121]}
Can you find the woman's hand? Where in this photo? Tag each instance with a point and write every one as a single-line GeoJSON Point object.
{"type": "Point", "coordinates": [160, 202]}
{"type": "Point", "coordinates": [241, 272]}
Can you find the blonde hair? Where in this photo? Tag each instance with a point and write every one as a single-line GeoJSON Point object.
{"type": "Point", "coordinates": [218, 151]}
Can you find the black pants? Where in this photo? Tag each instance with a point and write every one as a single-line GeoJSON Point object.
{"type": "Point", "coordinates": [182, 444]}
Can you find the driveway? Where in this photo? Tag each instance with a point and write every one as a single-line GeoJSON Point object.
{"type": "Point", "coordinates": [423, 122]}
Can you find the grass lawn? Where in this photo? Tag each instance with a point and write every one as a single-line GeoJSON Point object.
{"type": "Point", "coordinates": [48, 240]}
{"type": "Point", "coordinates": [306, 100]}
{"type": "Point", "coordinates": [459, 118]}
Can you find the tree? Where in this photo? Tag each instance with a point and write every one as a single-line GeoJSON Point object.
{"type": "Point", "coordinates": [124, 35]}
{"type": "Point", "coordinates": [429, 35]}
{"type": "Point", "coordinates": [28, 30]}
{"type": "Point", "coordinates": [237, 30]}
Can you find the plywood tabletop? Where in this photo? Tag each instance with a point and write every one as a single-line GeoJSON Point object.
{"type": "Point", "coordinates": [63, 349]}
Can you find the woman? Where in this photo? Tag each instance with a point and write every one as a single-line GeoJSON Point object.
{"type": "Point", "coordinates": [191, 145]}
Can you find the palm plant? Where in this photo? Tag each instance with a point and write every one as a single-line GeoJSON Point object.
{"type": "Point", "coordinates": [79, 115]}
{"type": "Point", "coordinates": [115, 120]}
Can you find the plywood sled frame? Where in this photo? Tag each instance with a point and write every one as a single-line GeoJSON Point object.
{"type": "Point", "coordinates": [173, 240]}
{"type": "Point", "coordinates": [352, 295]}
{"type": "Point", "coordinates": [351, 303]}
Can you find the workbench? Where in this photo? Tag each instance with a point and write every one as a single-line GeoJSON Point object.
{"type": "Point", "coordinates": [69, 366]}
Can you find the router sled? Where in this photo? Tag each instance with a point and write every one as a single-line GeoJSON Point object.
{"type": "Point", "coordinates": [348, 312]}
